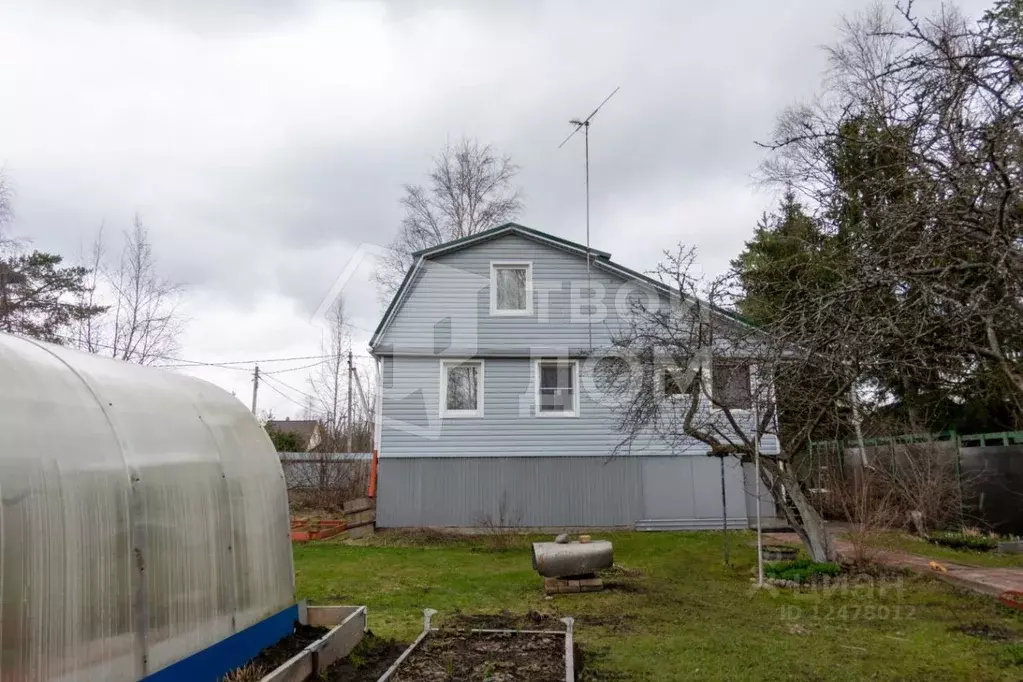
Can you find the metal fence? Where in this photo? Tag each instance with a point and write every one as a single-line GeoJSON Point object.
{"type": "Point", "coordinates": [992, 463]}
{"type": "Point", "coordinates": [325, 479]}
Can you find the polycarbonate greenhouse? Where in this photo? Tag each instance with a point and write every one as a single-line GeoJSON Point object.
{"type": "Point", "coordinates": [143, 518]}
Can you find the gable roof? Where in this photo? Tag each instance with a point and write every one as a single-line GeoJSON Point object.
{"type": "Point", "coordinates": [600, 259]}
{"type": "Point", "coordinates": [303, 429]}
{"type": "Point", "coordinates": [502, 230]}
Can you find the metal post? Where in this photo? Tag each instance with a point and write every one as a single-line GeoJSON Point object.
{"type": "Point", "coordinates": [756, 466]}
{"type": "Point", "coordinates": [724, 512]}
{"type": "Point", "coordinates": [255, 388]}
{"type": "Point", "coordinates": [959, 477]}
{"type": "Point", "coordinates": [349, 426]}
{"type": "Point", "coordinates": [589, 291]}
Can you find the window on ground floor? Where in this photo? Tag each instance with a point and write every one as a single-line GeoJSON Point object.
{"type": "Point", "coordinates": [461, 388]}
{"type": "Point", "coordinates": [557, 392]}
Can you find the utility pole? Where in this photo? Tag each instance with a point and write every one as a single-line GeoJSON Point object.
{"type": "Point", "coordinates": [351, 370]}
{"type": "Point", "coordinates": [255, 388]}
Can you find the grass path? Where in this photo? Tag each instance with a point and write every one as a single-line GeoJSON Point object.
{"type": "Point", "coordinates": [904, 542]}
{"type": "Point", "coordinates": [683, 615]}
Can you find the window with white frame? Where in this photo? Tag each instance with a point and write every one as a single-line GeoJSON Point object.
{"type": "Point", "coordinates": [461, 388]}
{"type": "Point", "coordinates": [511, 288]}
{"type": "Point", "coordinates": [557, 388]}
{"type": "Point", "coordinates": [730, 384]}
{"type": "Point", "coordinates": [675, 381]}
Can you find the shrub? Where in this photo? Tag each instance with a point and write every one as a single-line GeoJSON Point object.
{"type": "Point", "coordinates": [955, 540]}
{"type": "Point", "coordinates": [800, 570]}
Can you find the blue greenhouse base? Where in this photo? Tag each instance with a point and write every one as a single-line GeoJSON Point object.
{"type": "Point", "coordinates": [213, 662]}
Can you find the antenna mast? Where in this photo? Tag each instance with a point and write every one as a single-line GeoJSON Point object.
{"type": "Point", "coordinates": [584, 124]}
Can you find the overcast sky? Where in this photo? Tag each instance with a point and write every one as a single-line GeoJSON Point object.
{"type": "Point", "coordinates": [263, 141]}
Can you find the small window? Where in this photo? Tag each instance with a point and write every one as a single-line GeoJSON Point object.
{"type": "Point", "coordinates": [511, 288]}
{"type": "Point", "coordinates": [557, 393]}
{"type": "Point", "coordinates": [673, 382]}
{"type": "Point", "coordinates": [461, 388]}
{"type": "Point", "coordinates": [731, 385]}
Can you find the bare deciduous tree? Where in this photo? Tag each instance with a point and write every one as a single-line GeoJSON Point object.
{"type": "Point", "coordinates": [469, 190]}
{"type": "Point", "coordinates": [6, 212]}
{"type": "Point", "coordinates": [329, 382]}
{"type": "Point", "coordinates": [688, 371]}
{"type": "Point", "coordinates": [145, 315]}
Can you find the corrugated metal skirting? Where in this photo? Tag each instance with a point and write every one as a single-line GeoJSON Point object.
{"type": "Point", "coordinates": [558, 492]}
{"type": "Point", "coordinates": [509, 491]}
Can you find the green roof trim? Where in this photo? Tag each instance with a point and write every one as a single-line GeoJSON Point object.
{"type": "Point", "coordinates": [494, 232]}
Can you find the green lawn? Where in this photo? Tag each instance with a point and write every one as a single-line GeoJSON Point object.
{"type": "Point", "coordinates": [904, 542]}
{"type": "Point", "coordinates": [685, 616]}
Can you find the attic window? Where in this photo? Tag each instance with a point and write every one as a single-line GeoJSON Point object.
{"type": "Point", "coordinates": [511, 288]}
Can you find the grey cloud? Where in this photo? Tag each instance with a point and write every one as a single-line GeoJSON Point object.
{"type": "Point", "coordinates": [263, 141]}
{"type": "Point", "coordinates": [193, 15]}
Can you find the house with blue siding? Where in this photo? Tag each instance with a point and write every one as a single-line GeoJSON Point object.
{"type": "Point", "coordinates": [490, 411]}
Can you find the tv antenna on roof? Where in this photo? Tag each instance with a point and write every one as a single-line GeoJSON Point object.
{"type": "Point", "coordinates": [585, 126]}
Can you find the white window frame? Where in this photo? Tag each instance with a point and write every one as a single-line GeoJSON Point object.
{"type": "Point", "coordinates": [662, 371]}
{"type": "Point", "coordinates": [575, 389]}
{"type": "Point", "coordinates": [710, 384]}
{"type": "Point", "coordinates": [480, 386]}
{"type": "Point", "coordinates": [528, 265]}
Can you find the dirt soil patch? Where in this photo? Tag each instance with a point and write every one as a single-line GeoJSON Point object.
{"type": "Point", "coordinates": [273, 656]}
{"type": "Point", "coordinates": [996, 632]}
{"type": "Point", "coordinates": [506, 620]}
{"type": "Point", "coordinates": [495, 657]}
{"type": "Point", "coordinates": [368, 661]}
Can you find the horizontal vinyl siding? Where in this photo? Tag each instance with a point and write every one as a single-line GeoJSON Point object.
{"type": "Point", "coordinates": [412, 426]}
{"type": "Point", "coordinates": [447, 309]}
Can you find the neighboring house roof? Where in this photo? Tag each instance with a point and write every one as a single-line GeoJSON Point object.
{"type": "Point", "coordinates": [600, 259]}
{"type": "Point", "coordinates": [306, 430]}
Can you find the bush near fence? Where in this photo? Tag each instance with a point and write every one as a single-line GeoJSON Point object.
{"type": "Point", "coordinates": [325, 480]}
{"type": "Point", "coordinates": [954, 480]}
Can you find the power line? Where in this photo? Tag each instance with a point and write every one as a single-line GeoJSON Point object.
{"type": "Point", "coordinates": [296, 369]}
{"type": "Point", "coordinates": [282, 394]}
{"type": "Point", "coordinates": [287, 386]}
{"type": "Point", "coordinates": [225, 364]}
{"type": "Point", "coordinates": [177, 363]}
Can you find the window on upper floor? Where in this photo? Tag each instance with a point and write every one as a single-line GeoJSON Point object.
{"type": "Point", "coordinates": [557, 388]}
{"type": "Point", "coordinates": [730, 384]}
{"type": "Point", "coordinates": [511, 288]}
{"type": "Point", "coordinates": [461, 388]}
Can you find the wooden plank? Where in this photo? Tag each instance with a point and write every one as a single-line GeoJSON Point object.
{"type": "Point", "coordinates": [329, 616]}
{"type": "Point", "coordinates": [340, 641]}
{"type": "Point", "coordinates": [296, 669]}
